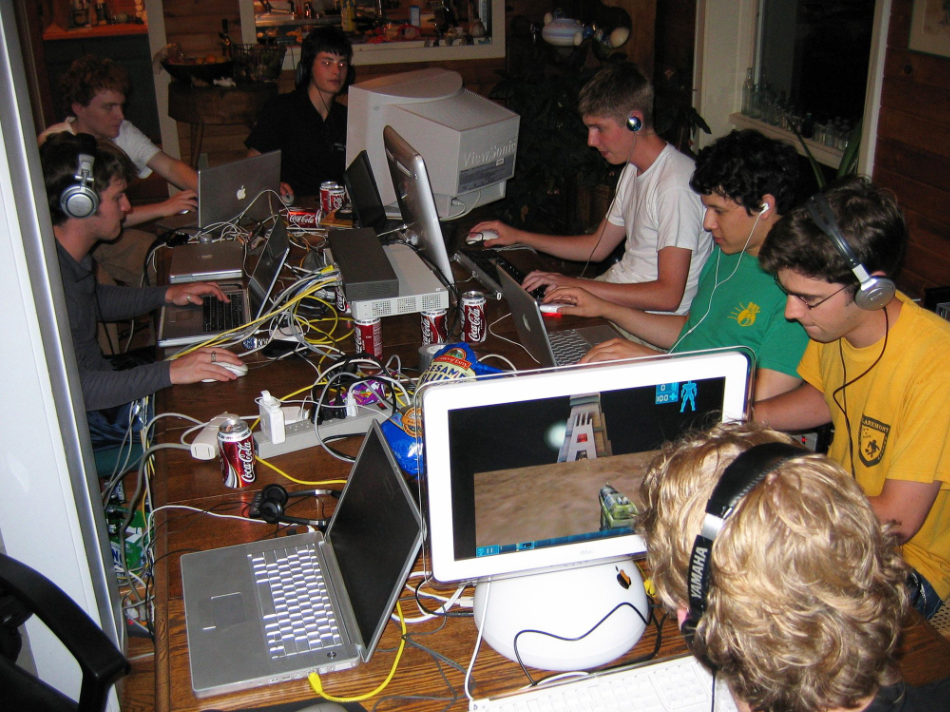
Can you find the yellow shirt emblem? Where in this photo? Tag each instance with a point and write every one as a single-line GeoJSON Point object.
{"type": "Point", "coordinates": [746, 315]}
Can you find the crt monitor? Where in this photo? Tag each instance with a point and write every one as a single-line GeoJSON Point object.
{"type": "Point", "coordinates": [468, 142]}
{"type": "Point", "coordinates": [535, 471]}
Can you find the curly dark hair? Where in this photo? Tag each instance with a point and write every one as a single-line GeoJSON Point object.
{"type": "Point", "coordinates": [59, 156]}
{"type": "Point", "coordinates": [88, 76]}
{"type": "Point", "coordinates": [867, 216]}
{"type": "Point", "coordinates": [744, 166]}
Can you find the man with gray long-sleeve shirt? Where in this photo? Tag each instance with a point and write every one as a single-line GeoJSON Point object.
{"type": "Point", "coordinates": [85, 187]}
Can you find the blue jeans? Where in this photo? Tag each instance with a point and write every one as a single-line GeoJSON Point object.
{"type": "Point", "coordinates": [922, 595]}
{"type": "Point", "coordinates": [110, 427]}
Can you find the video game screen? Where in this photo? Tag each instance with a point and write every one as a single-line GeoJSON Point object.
{"type": "Point", "coordinates": [553, 471]}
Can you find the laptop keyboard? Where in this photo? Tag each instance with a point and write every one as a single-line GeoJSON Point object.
{"type": "Point", "coordinates": [568, 346]}
{"type": "Point", "coordinates": [488, 260]}
{"type": "Point", "coordinates": [222, 316]}
{"type": "Point", "coordinates": [298, 617]}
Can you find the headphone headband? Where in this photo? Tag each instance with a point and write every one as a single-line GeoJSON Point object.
{"type": "Point", "coordinates": [874, 292]}
{"type": "Point", "coordinates": [737, 480]}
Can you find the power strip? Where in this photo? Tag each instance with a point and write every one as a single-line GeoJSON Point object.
{"type": "Point", "coordinates": [301, 435]}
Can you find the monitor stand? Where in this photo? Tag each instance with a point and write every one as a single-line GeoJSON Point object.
{"type": "Point", "coordinates": [567, 603]}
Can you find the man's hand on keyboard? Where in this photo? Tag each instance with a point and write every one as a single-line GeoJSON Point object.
{"type": "Point", "coordinates": [616, 350]}
{"type": "Point", "coordinates": [204, 364]}
{"type": "Point", "coordinates": [549, 280]}
{"type": "Point", "coordinates": [192, 292]}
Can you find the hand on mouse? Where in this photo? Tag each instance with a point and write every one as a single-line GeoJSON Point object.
{"type": "Point", "coordinates": [494, 233]}
{"type": "Point", "coordinates": [209, 364]}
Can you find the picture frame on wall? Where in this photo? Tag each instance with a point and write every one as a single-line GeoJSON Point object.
{"type": "Point", "coordinates": [930, 27]}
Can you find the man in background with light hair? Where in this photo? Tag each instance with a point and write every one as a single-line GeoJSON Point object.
{"type": "Point", "coordinates": [805, 597]}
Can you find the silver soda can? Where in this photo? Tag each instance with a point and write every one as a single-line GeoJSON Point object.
{"type": "Point", "coordinates": [368, 336]}
{"type": "Point", "coordinates": [434, 329]}
{"type": "Point", "coordinates": [474, 328]}
{"type": "Point", "coordinates": [237, 453]}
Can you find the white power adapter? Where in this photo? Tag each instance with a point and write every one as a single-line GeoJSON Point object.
{"type": "Point", "coordinates": [272, 418]}
{"type": "Point", "coordinates": [205, 445]}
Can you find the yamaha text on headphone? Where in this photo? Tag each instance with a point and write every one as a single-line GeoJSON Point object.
{"type": "Point", "coordinates": [80, 199]}
{"type": "Point", "coordinates": [874, 292]}
{"type": "Point", "coordinates": [738, 479]}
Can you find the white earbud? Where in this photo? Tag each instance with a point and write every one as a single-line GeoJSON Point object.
{"type": "Point", "coordinates": [763, 208]}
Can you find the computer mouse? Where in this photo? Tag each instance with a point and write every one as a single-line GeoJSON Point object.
{"type": "Point", "coordinates": [482, 236]}
{"type": "Point", "coordinates": [323, 707]}
{"type": "Point", "coordinates": [287, 199]}
{"type": "Point", "coordinates": [553, 307]}
{"type": "Point", "coordinates": [235, 368]}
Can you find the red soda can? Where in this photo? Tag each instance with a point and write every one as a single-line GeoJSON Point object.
{"type": "Point", "coordinates": [304, 218]}
{"type": "Point", "coordinates": [237, 453]}
{"type": "Point", "coordinates": [434, 330]}
{"type": "Point", "coordinates": [368, 335]}
{"type": "Point", "coordinates": [332, 196]}
{"type": "Point", "coordinates": [474, 329]}
{"type": "Point", "coordinates": [342, 306]}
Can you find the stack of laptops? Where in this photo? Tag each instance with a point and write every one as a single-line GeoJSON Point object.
{"type": "Point", "coordinates": [241, 602]}
{"type": "Point", "coordinates": [558, 348]}
{"type": "Point", "coordinates": [191, 324]}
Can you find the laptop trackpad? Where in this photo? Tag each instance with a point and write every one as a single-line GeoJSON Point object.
{"type": "Point", "coordinates": [185, 315]}
{"type": "Point", "coordinates": [594, 335]}
{"type": "Point", "coordinates": [223, 611]}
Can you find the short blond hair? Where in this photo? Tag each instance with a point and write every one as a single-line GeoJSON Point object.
{"type": "Point", "coordinates": [806, 594]}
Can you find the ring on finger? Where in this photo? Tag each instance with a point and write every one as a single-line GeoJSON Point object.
{"type": "Point", "coordinates": [214, 357]}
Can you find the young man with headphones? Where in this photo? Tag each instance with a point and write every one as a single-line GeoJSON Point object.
{"type": "Point", "coordinates": [93, 92]}
{"type": "Point", "coordinates": [85, 185]}
{"type": "Point", "coordinates": [308, 125]}
{"type": "Point", "coordinates": [783, 580]}
{"type": "Point", "coordinates": [654, 209]}
{"type": "Point", "coordinates": [746, 182]}
{"type": "Point", "coordinates": [877, 367]}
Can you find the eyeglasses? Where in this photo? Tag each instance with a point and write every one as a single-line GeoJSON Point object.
{"type": "Point", "coordinates": [810, 305]}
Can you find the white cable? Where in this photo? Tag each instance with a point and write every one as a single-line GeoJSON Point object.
{"type": "Point", "coordinates": [478, 641]}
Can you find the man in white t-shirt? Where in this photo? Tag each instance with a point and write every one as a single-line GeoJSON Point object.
{"type": "Point", "coordinates": [93, 92]}
{"type": "Point", "coordinates": [654, 210]}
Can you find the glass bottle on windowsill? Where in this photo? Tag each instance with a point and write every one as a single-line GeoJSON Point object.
{"type": "Point", "coordinates": [748, 87]}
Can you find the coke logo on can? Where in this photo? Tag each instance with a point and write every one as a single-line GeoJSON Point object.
{"type": "Point", "coordinates": [473, 317]}
{"type": "Point", "coordinates": [368, 336]}
{"type": "Point", "coordinates": [342, 305]}
{"type": "Point", "coordinates": [332, 196]}
{"type": "Point", "coordinates": [434, 329]}
{"type": "Point", "coordinates": [304, 218]}
{"type": "Point", "coordinates": [237, 453]}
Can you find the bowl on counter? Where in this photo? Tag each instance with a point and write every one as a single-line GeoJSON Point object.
{"type": "Point", "coordinates": [206, 72]}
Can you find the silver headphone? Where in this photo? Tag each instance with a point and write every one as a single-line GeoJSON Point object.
{"type": "Point", "coordinates": [80, 199]}
{"type": "Point", "coordinates": [874, 292]}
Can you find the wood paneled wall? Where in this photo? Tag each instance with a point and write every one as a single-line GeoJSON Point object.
{"type": "Point", "coordinates": [913, 152]}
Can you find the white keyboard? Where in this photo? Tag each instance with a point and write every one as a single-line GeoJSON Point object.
{"type": "Point", "coordinates": [673, 685]}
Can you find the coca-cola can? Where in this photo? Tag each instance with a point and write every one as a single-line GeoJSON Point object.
{"type": "Point", "coordinates": [474, 329]}
{"type": "Point", "coordinates": [342, 306]}
{"type": "Point", "coordinates": [368, 335]}
{"type": "Point", "coordinates": [332, 196]}
{"type": "Point", "coordinates": [237, 453]}
{"type": "Point", "coordinates": [301, 217]}
{"type": "Point", "coordinates": [434, 329]}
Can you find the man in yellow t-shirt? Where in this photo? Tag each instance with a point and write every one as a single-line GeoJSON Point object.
{"type": "Point", "coordinates": [877, 367]}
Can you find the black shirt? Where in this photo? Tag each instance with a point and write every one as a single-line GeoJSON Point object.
{"type": "Point", "coordinates": [312, 150]}
{"type": "Point", "coordinates": [934, 697]}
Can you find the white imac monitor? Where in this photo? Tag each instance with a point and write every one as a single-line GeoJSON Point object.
{"type": "Point", "coordinates": [516, 466]}
{"type": "Point", "coordinates": [468, 142]}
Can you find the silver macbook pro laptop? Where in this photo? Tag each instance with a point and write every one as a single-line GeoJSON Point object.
{"type": "Point", "coordinates": [559, 348]}
{"type": "Point", "coordinates": [191, 324]}
{"type": "Point", "coordinates": [206, 262]}
{"type": "Point", "coordinates": [226, 191]}
{"type": "Point", "coordinates": [243, 603]}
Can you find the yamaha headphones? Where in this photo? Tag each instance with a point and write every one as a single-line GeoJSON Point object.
{"type": "Point", "coordinates": [738, 479]}
{"type": "Point", "coordinates": [873, 292]}
{"type": "Point", "coordinates": [80, 199]}
{"type": "Point", "coordinates": [269, 504]}
{"type": "Point", "coordinates": [634, 123]}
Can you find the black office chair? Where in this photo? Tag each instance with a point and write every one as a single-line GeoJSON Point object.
{"type": "Point", "coordinates": [24, 592]}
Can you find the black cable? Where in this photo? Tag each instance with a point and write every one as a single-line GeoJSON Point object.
{"type": "Point", "coordinates": [843, 405]}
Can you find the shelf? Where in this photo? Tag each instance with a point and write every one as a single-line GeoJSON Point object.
{"type": "Point", "coordinates": [825, 155]}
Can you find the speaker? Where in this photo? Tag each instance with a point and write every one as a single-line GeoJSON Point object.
{"type": "Point", "coordinates": [270, 502]}
{"type": "Point", "coordinates": [80, 199]}
{"type": "Point", "coordinates": [874, 292]}
{"type": "Point", "coordinates": [738, 479]}
{"type": "Point", "coordinates": [634, 123]}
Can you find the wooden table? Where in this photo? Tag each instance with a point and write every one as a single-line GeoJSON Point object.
{"type": "Point", "coordinates": [181, 480]}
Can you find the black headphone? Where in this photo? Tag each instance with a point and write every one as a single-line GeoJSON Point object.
{"type": "Point", "coordinates": [270, 502]}
{"type": "Point", "coordinates": [634, 123]}
{"type": "Point", "coordinates": [738, 479]}
{"type": "Point", "coordinates": [80, 199]}
{"type": "Point", "coordinates": [873, 292]}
